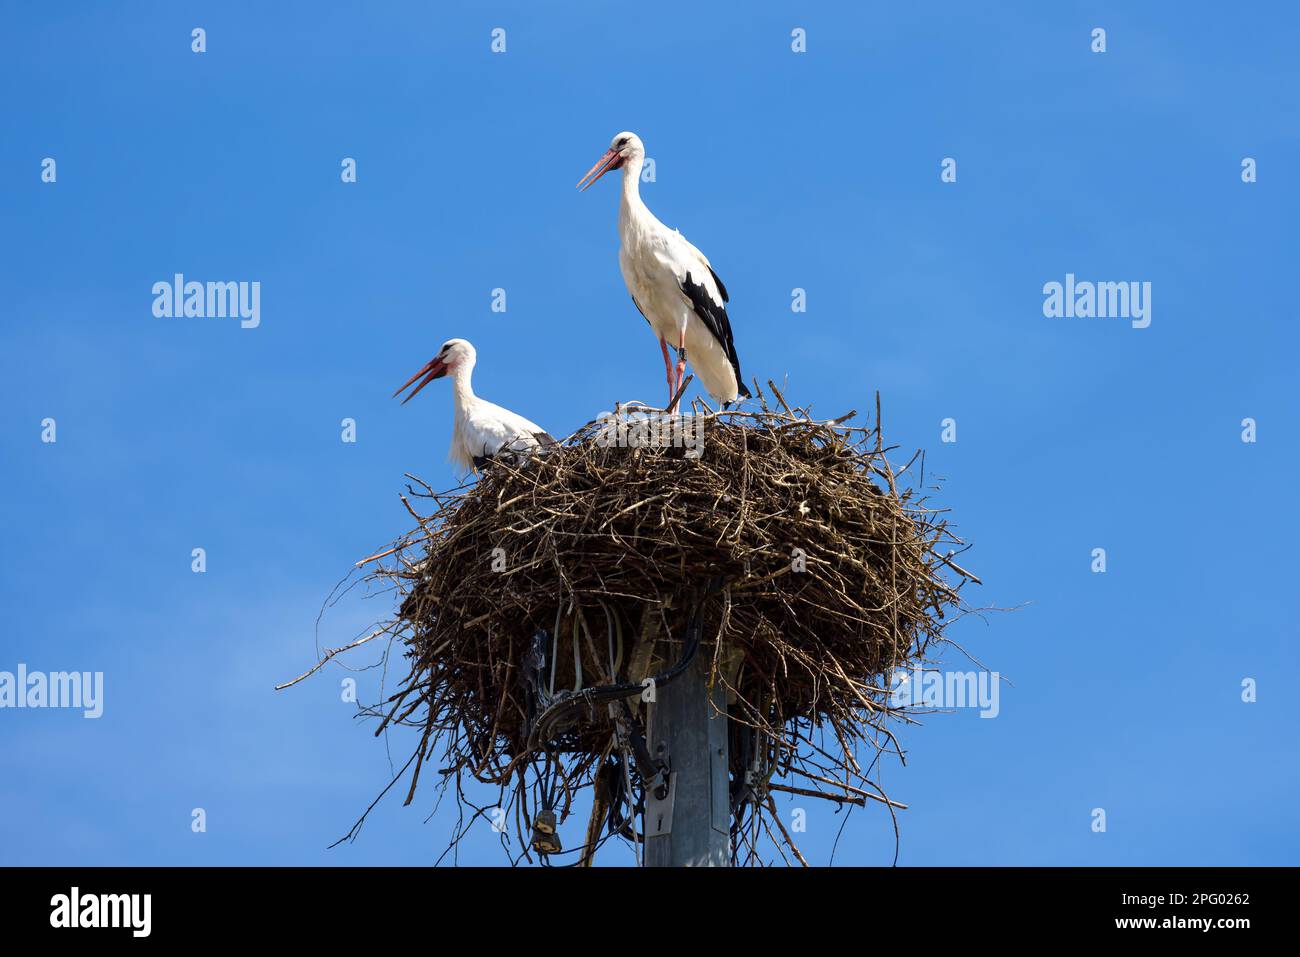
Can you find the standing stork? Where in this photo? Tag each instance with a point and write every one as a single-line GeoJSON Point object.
{"type": "Point", "coordinates": [671, 282]}
{"type": "Point", "coordinates": [483, 430]}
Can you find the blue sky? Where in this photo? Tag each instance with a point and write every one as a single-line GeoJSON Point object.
{"type": "Point", "coordinates": [819, 171]}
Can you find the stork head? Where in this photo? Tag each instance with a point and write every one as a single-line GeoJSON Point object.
{"type": "Point", "coordinates": [624, 148]}
{"type": "Point", "coordinates": [455, 354]}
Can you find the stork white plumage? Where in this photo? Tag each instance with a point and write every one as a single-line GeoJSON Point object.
{"type": "Point", "coordinates": [483, 430]}
{"type": "Point", "coordinates": [671, 282]}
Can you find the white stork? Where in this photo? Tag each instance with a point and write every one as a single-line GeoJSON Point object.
{"type": "Point", "coordinates": [671, 282]}
{"type": "Point", "coordinates": [483, 430]}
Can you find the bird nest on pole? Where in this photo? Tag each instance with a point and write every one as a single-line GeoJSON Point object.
{"type": "Point", "coordinates": [540, 606]}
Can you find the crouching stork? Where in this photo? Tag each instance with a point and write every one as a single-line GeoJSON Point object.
{"type": "Point", "coordinates": [483, 430]}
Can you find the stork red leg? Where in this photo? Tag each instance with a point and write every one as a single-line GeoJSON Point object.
{"type": "Point", "coordinates": [681, 365]}
{"type": "Point", "coordinates": [668, 370]}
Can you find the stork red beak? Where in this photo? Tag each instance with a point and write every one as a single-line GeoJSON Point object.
{"type": "Point", "coordinates": [611, 160]}
{"type": "Point", "coordinates": [435, 368]}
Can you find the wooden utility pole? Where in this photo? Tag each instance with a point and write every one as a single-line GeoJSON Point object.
{"type": "Point", "coordinates": [690, 827]}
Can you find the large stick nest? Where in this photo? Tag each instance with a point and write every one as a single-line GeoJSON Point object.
{"type": "Point", "coordinates": [815, 574]}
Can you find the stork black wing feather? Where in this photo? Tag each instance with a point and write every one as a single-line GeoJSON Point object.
{"type": "Point", "coordinates": [721, 288]}
{"type": "Point", "coordinates": [714, 317]}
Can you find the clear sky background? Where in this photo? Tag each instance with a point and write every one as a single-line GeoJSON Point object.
{"type": "Point", "coordinates": [818, 170]}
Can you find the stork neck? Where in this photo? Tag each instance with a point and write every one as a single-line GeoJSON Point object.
{"type": "Point", "coordinates": [461, 389]}
{"type": "Point", "coordinates": [632, 182]}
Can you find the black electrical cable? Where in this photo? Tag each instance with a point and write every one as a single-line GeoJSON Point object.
{"type": "Point", "coordinates": [601, 694]}
{"type": "Point", "coordinates": [559, 708]}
